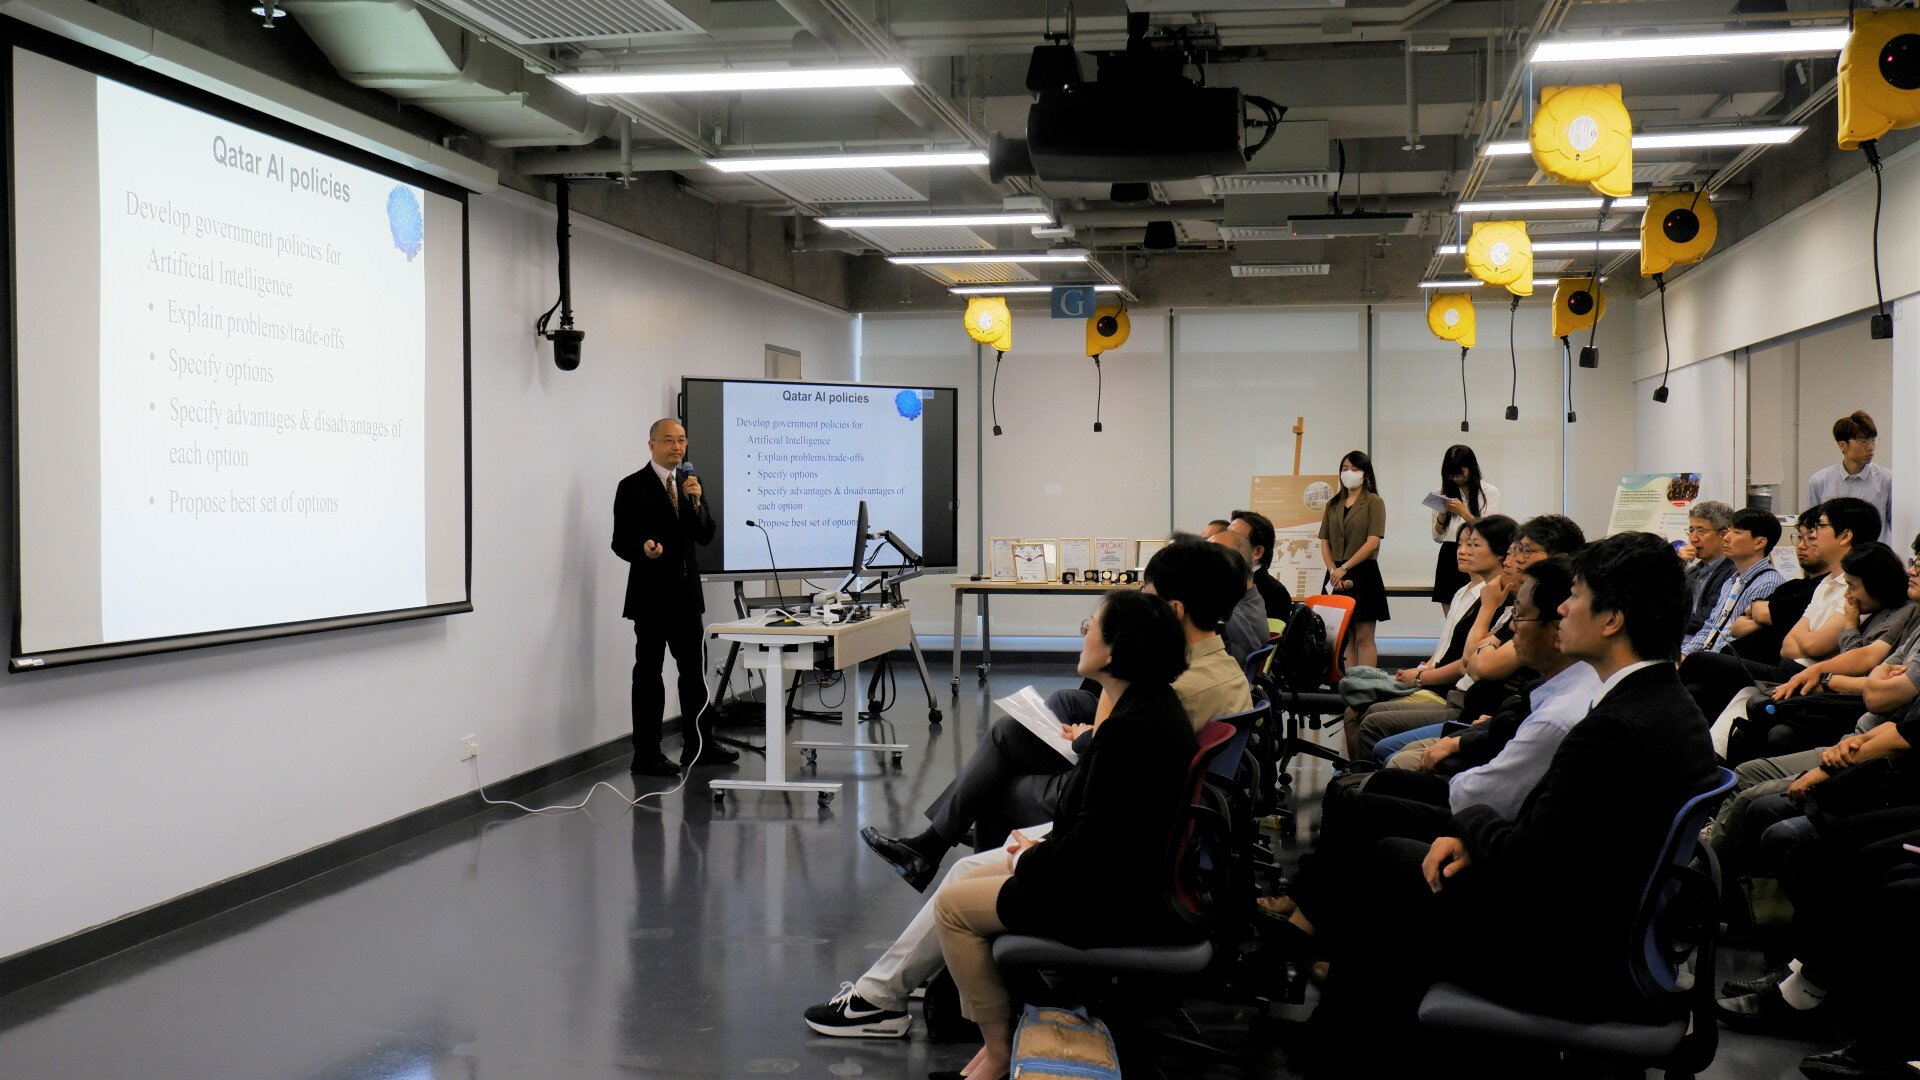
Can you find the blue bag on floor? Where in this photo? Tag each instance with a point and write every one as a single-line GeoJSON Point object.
{"type": "Point", "coordinates": [1062, 1044]}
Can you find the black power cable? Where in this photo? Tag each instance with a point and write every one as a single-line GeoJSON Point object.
{"type": "Point", "coordinates": [997, 355]}
{"type": "Point", "coordinates": [1097, 388]}
{"type": "Point", "coordinates": [1882, 325]}
{"type": "Point", "coordinates": [1566, 356]}
{"type": "Point", "coordinates": [1590, 356]}
{"type": "Point", "coordinates": [1660, 392]}
{"type": "Point", "coordinates": [1513, 357]}
{"type": "Point", "coordinates": [1463, 388]}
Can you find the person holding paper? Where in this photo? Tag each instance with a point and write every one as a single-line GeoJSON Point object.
{"type": "Point", "coordinates": [1016, 778]}
{"type": "Point", "coordinates": [1463, 496]}
{"type": "Point", "coordinates": [1186, 574]}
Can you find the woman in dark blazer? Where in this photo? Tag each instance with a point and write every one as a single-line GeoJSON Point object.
{"type": "Point", "coordinates": [1100, 878]}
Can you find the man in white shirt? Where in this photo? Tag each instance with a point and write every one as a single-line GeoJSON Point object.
{"type": "Point", "coordinates": [1855, 475]}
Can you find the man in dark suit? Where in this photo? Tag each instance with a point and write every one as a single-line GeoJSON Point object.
{"type": "Point", "coordinates": [1538, 909]}
{"type": "Point", "coordinates": [658, 517]}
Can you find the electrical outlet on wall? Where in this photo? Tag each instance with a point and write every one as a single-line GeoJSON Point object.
{"type": "Point", "coordinates": [469, 747]}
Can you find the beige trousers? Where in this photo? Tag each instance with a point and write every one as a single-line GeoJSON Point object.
{"type": "Point", "coordinates": [965, 913]}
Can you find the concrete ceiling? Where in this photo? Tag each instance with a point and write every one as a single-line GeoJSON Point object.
{"type": "Point", "coordinates": [1341, 71]}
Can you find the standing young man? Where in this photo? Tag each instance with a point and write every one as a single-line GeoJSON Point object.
{"type": "Point", "coordinates": [1856, 476]}
{"type": "Point", "coordinates": [658, 517]}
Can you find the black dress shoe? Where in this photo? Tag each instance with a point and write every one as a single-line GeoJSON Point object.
{"type": "Point", "coordinates": [658, 766]}
{"type": "Point", "coordinates": [908, 863]}
{"type": "Point", "coordinates": [1850, 1061]}
{"type": "Point", "coordinates": [1767, 1011]}
{"type": "Point", "coordinates": [711, 754]}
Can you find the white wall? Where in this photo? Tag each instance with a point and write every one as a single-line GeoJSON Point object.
{"type": "Point", "coordinates": [125, 784]}
{"type": "Point", "coordinates": [1694, 431]}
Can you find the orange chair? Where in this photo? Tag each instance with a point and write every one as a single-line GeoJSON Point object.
{"type": "Point", "coordinates": [1313, 703]}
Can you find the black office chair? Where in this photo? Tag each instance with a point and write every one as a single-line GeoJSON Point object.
{"type": "Point", "coordinates": [1678, 921]}
{"type": "Point", "coordinates": [1126, 985]}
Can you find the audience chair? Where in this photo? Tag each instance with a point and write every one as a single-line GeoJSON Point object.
{"type": "Point", "coordinates": [1678, 921]}
{"type": "Point", "coordinates": [1124, 985]}
{"type": "Point", "coordinates": [1312, 703]}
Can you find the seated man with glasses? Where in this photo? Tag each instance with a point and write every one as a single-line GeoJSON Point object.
{"type": "Point", "coordinates": [1757, 633]}
{"type": "Point", "coordinates": [1713, 679]}
{"type": "Point", "coordinates": [1855, 475]}
{"type": "Point", "coordinates": [1421, 806]}
{"type": "Point", "coordinates": [1748, 541]}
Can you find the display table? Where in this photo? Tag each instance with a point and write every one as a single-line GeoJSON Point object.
{"type": "Point", "coordinates": [987, 589]}
{"type": "Point", "coordinates": [776, 650]}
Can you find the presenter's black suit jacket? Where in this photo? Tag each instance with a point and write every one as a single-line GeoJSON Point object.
{"type": "Point", "coordinates": [669, 584]}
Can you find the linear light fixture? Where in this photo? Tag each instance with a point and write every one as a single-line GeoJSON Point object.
{"type": "Point", "coordinates": [1558, 245]}
{"type": "Point", "coordinates": [975, 260]}
{"type": "Point", "coordinates": [932, 221]}
{"type": "Point", "coordinates": [1676, 140]}
{"type": "Point", "coordinates": [1531, 206]}
{"type": "Point", "coordinates": [698, 82]}
{"type": "Point", "coordinates": [919, 159]}
{"type": "Point", "coordinates": [1471, 283]}
{"type": "Point", "coordinates": [1805, 42]}
{"type": "Point", "coordinates": [997, 290]}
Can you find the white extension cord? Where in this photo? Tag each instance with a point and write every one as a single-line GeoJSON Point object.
{"type": "Point", "coordinates": [563, 808]}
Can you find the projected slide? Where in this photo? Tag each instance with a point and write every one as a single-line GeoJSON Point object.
{"type": "Point", "coordinates": [798, 459]}
{"type": "Point", "coordinates": [263, 354]}
{"type": "Point", "coordinates": [807, 456]}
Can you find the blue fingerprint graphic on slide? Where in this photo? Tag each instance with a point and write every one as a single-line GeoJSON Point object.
{"type": "Point", "coordinates": [405, 222]}
{"type": "Point", "coordinates": [908, 402]}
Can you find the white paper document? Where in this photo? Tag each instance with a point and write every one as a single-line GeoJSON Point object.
{"type": "Point", "coordinates": [1027, 706]}
{"type": "Point", "coordinates": [1434, 501]}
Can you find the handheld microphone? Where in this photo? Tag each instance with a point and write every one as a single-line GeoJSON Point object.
{"type": "Point", "coordinates": [781, 616]}
{"type": "Point", "coordinates": [684, 470]}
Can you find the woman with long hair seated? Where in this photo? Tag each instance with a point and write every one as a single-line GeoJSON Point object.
{"type": "Point", "coordinates": [1100, 877]}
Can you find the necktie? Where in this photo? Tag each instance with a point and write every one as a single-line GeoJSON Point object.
{"type": "Point", "coordinates": [673, 495]}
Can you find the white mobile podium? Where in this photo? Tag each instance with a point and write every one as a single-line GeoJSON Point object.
{"type": "Point", "coordinates": [776, 650]}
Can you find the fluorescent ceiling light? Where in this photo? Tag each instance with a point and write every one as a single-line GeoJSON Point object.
{"type": "Point", "coordinates": [997, 290]}
{"type": "Point", "coordinates": [931, 221]}
{"type": "Point", "coordinates": [1529, 206]}
{"type": "Point", "coordinates": [849, 161]}
{"type": "Point", "coordinates": [695, 82]}
{"type": "Point", "coordinates": [971, 260]}
{"type": "Point", "coordinates": [1682, 46]}
{"type": "Point", "coordinates": [1676, 140]}
{"type": "Point", "coordinates": [1472, 283]}
{"type": "Point", "coordinates": [1558, 245]}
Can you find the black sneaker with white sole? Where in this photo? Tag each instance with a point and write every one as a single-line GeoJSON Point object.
{"type": "Point", "coordinates": [850, 1016]}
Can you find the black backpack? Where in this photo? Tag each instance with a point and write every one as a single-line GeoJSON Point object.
{"type": "Point", "coordinates": [1302, 658]}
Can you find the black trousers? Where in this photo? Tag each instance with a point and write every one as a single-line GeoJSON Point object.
{"type": "Point", "coordinates": [1012, 780]}
{"type": "Point", "coordinates": [1713, 678]}
{"type": "Point", "coordinates": [679, 632]}
{"type": "Point", "coordinates": [1393, 803]}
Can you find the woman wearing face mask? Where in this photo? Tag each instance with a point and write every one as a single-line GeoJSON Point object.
{"type": "Point", "coordinates": [1468, 497]}
{"type": "Point", "coordinates": [1350, 535]}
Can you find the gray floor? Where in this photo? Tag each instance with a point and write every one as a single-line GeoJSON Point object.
{"type": "Point", "coordinates": [674, 942]}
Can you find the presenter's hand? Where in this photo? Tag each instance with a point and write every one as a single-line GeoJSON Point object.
{"type": "Point", "coordinates": [691, 487]}
{"type": "Point", "coordinates": [1447, 857]}
{"type": "Point", "coordinates": [1338, 577]}
{"type": "Point", "coordinates": [653, 550]}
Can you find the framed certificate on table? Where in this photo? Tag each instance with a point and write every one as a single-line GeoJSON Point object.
{"type": "Point", "coordinates": [1030, 562]}
{"type": "Point", "coordinates": [1144, 550]}
{"type": "Point", "coordinates": [1000, 563]}
{"type": "Point", "coordinates": [1053, 555]}
{"type": "Point", "coordinates": [1076, 554]}
{"type": "Point", "coordinates": [1112, 554]}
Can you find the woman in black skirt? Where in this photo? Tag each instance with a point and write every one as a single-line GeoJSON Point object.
{"type": "Point", "coordinates": [1468, 496]}
{"type": "Point", "coordinates": [1350, 536]}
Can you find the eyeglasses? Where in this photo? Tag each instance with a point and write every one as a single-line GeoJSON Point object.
{"type": "Point", "coordinates": [1803, 536]}
{"type": "Point", "coordinates": [1875, 441]}
{"type": "Point", "coordinates": [678, 440]}
{"type": "Point", "coordinates": [1913, 564]}
{"type": "Point", "coordinates": [1818, 525]}
{"type": "Point", "coordinates": [1086, 624]}
{"type": "Point", "coordinates": [1526, 547]}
